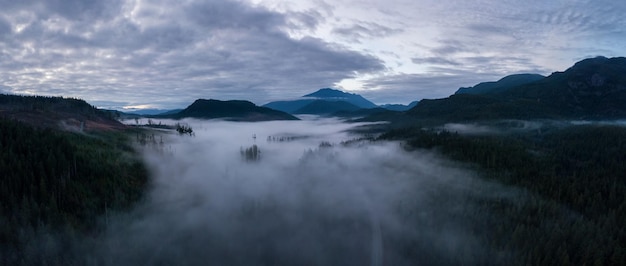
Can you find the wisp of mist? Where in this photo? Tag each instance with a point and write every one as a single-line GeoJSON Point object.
{"type": "Point", "coordinates": [300, 203]}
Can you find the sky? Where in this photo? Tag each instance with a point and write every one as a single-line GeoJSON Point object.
{"type": "Point", "coordinates": [165, 54]}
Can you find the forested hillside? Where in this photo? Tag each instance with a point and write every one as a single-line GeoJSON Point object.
{"type": "Point", "coordinates": [68, 114]}
{"type": "Point", "coordinates": [575, 176]}
{"type": "Point", "coordinates": [60, 184]}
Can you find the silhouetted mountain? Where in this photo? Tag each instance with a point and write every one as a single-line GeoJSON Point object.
{"type": "Point", "coordinates": [57, 112]}
{"type": "Point", "coordinates": [171, 112]}
{"type": "Point", "coordinates": [502, 84]}
{"type": "Point", "coordinates": [591, 89]}
{"type": "Point", "coordinates": [288, 106]}
{"type": "Point", "coordinates": [363, 112]}
{"type": "Point", "coordinates": [326, 94]}
{"type": "Point", "coordinates": [399, 107]}
{"type": "Point", "coordinates": [153, 111]}
{"type": "Point", "coordinates": [323, 107]}
{"type": "Point", "coordinates": [232, 110]}
{"type": "Point", "coordinates": [465, 107]}
{"type": "Point", "coordinates": [337, 95]}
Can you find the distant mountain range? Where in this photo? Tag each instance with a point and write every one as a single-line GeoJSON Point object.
{"type": "Point", "coordinates": [328, 94]}
{"type": "Point", "coordinates": [323, 101]}
{"type": "Point", "coordinates": [329, 101]}
{"type": "Point", "coordinates": [593, 88]}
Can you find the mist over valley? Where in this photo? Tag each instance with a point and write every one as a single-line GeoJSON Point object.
{"type": "Point", "coordinates": [338, 203]}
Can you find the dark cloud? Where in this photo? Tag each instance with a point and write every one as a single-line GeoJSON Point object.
{"type": "Point", "coordinates": [309, 19]}
{"type": "Point", "coordinates": [233, 15]}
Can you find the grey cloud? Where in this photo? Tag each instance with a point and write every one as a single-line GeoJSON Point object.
{"type": "Point", "coordinates": [487, 29]}
{"type": "Point", "coordinates": [148, 50]}
{"type": "Point", "coordinates": [84, 10]}
{"type": "Point", "coordinates": [365, 30]}
{"type": "Point", "coordinates": [582, 18]}
{"type": "Point", "coordinates": [449, 47]}
{"type": "Point", "coordinates": [229, 14]}
{"type": "Point", "coordinates": [208, 49]}
{"type": "Point", "coordinates": [404, 88]}
{"type": "Point", "coordinates": [5, 29]}
{"type": "Point", "coordinates": [70, 9]}
{"type": "Point", "coordinates": [308, 19]}
{"type": "Point", "coordinates": [434, 61]}
{"type": "Point", "coordinates": [503, 65]}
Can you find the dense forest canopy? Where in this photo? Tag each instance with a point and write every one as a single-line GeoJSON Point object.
{"type": "Point", "coordinates": [579, 168]}
{"type": "Point", "coordinates": [54, 181]}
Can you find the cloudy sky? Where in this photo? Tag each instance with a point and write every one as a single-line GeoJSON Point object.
{"type": "Point", "coordinates": [165, 54]}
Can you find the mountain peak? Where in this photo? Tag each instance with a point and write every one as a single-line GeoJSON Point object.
{"type": "Point", "coordinates": [605, 64]}
{"type": "Point", "coordinates": [323, 101]}
{"type": "Point", "coordinates": [329, 92]}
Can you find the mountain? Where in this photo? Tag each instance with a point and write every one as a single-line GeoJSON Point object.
{"type": "Point", "coordinates": [399, 107]}
{"type": "Point", "coordinates": [326, 95]}
{"type": "Point", "coordinates": [502, 84]}
{"type": "Point", "coordinates": [329, 94]}
{"type": "Point", "coordinates": [322, 107]}
{"type": "Point", "coordinates": [593, 88]}
{"type": "Point", "coordinates": [152, 111]}
{"type": "Point", "coordinates": [288, 106]}
{"type": "Point", "coordinates": [234, 110]}
{"type": "Point", "coordinates": [57, 112]}
{"type": "Point", "coordinates": [361, 113]}
{"type": "Point", "coordinates": [470, 107]}
{"type": "Point", "coordinates": [171, 112]}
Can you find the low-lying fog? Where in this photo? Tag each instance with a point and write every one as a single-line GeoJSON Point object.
{"type": "Point", "coordinates": [520, 126]}
{"type": "Point", "coordinates": [360, 203]}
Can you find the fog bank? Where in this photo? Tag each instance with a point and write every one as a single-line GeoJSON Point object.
{"type": "Point", "coordinates": [301, 203]}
